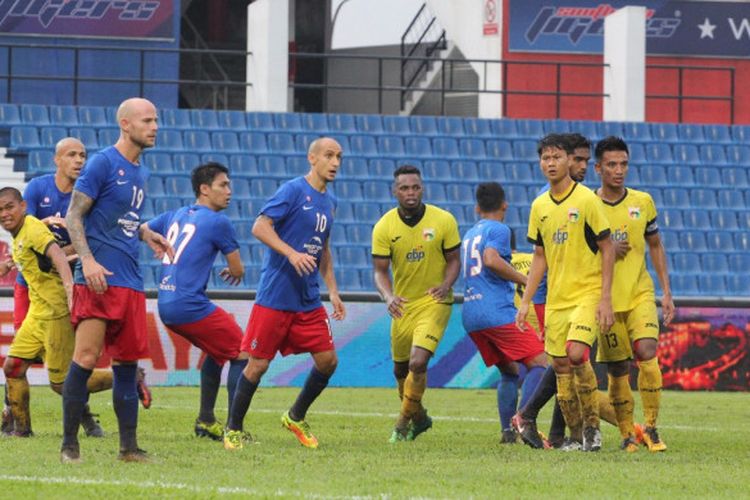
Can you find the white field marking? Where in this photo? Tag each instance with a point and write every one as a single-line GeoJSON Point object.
{"type": "Point", "coordinates": [447, 418]}
{"type": "Point", "coordinates": [149, 485]}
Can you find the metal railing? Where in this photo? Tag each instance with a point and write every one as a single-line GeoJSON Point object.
{"type": "Point", "coordinates": [417, 54]}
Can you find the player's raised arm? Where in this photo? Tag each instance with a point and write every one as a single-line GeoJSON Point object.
{"type": "Point", "coordinates": [94, 273]}
{"type": "Point", "coordinates": [536, 273]}
{"type": "Point", "coordinates": [329, 278]}
{"type": "Point", "coordinates": [659, 259]}
{"type": "Point", "coordinates": [263, 229]}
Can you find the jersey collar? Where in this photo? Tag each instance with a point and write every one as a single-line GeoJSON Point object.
{"type": "Point", "coordinates": [614, 203]}
{"type": "Point", "coordinates": [565, 197]}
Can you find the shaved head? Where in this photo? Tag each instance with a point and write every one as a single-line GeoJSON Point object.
{"type": "Point", "coordinates": [321, 143]}
{"type": "Point", "coordinates": [66, 143]}
{"type": "Point", "coordinates": [132, 106]}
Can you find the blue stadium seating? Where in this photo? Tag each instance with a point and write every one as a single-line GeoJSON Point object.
{"type": "Point", "coordinates": [738, 155]}
{"type": "Point", "coordinates": [697, 219]}
{"type": "Point", "coordinates": [530, 129]}
{"type": "Point", "coordinates": [741, 133]}
{"type": "Point", "coordinates": [282, 144]}
{"type": "Point", "coordinates": [473, 149]}
{"type": "Point", "coordinates": [49, 136]}
{"type": "Point", "coordinates": [718, 241]}
{"type": "Point", "coordinates": [396, 125]}
{"type": "Point", "coordinates": [743, 220]}
{"type": "Point", "coordinates": [491, 171]}
{"type": "Point", "coordinates": [263, 188]}
{"type": "Point", "coordinates": [381, 168]}
{"type": "Point", "coordinates": [715, 263]}
{"type": "Point", "coordinates": [524, 151]}
{"type": "Point", "coordinates": [676, 197]}
{"type": "Point", "coordinates": [502, 150]}
{"type": "Point", "coordinates": [664, 132]}
{"type": "Point", "coordinates": [738, 262]}
{"type": "Point", "coordinates": [637, 131]}
{"type": "Point", "coordinates": [185, 162]}
{"type": "Point", "coordinates": [175, 118]}
{"type": "Point", "coordinates": [377, 191]}
{"type": "Point", "coordinates": [687, 263]}
{"type": "Point", "coordinates": [260, 122]}
{"type": "Point", "coordinates": [348, 190]}
{"type": "Point", "coordinates": [434, 192]}
{"type": "Point", "coordinates": [9, 115]}
{"type": "Point", "coordinates": [718, 134]}
{"type": "Point", "coordinates": [465, 170]}
{"type": "Point", "coordinates": [451, 126]}
{"type": "Point", "coordinates": [713, 154]}
{"type": "Point", "coordinates": [735, 177]}
{"type": "Point", "coordinates": [41, 160]}
{"type": "Point", "coordinates": [437, 170]}
{"type": "Point", "coordinates": [659, 152]}
{"type": "Point", "coordinates": [724, 220]}
{"type": "Point", "coordinates": [297, 166]}
{"type": "Point", "coordinates": [637, 153]}
{"type": "Point", "coordinates": [253, 142]}
{"type": "Point", "coordinates": [93, 116]}
{"type": "Point", "coordinates": [741, 241]}
{"type": "Point", "coordinates": [459, 193]}
{"type": "Point", "coordinates": [712, 284]}
{"type": "Point", "coordinates": [369, 124]}
{"type": "Point", "coordinates": [704, 198]}
{"type": "Point", "coordinates": [344, 212]}
{"type": "Point", "coordinates": [205, 119]}
{"type": "Point", "coordinates": [693, 241]}
{"type": "Point", "coordinates": [445, 147]}
{"type": "Point", "coordinates": [196, 140]}
{"type": "Point", "coordinates": [226, 142]}
{"type": "Point", "coordinates": [605, 129]}
{"type": "Point", "coordinates": [287, 122]}
{"type": "Point", "coordinates": [476, 127]}
{"type": "Point", "coordinates": [155, 186]}
{"type": "Point", "coordinates": [34, 114]}
{"type": "Point", "coordinates": [423, 125]}
{"type": "Point", "coordinates": [678, 175]}
{"type": "Point", "coordinates": [418, 146]}
{"type": "Point", "coordinates": [232, 120]}
{"type": "Point", "coordinates": [684, 284]}
{"type": "Point", "coordinates": [690, 133]}
{"type": "Point", "coordinates": [341, 123]}
{"type": "Point", "coordinates": [363, 145]}
{"type": "Point", "coordinates": [520, 173]}
{"type": "Point", "coordinates": [65, 116]}
{"type": "Point", "coordinates": [672, 218]}
{"type": "Point", "coordinates": [391, 145]}
{"type": "Point", "coordinates": [245, 165]}
{"type": "Point", "coordinates": [108, 136]}
{"type": "Point", "coordinates": [738, 285]}
{"type": "Point", "coordinates": [315, 122]}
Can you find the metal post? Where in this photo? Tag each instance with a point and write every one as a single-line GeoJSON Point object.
{"type": "Point", "coordinates": [442, 88]}
{"type": "Point", "coordinates": [504, 69]}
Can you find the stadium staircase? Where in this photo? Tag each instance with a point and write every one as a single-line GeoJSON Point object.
{"type": "Point", "coordinates": [697, 174]}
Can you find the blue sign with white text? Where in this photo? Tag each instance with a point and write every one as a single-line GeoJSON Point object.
{"type": "Point", "coordinates": [684, 28]}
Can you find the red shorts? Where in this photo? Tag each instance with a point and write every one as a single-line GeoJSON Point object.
{"type": "Point", "coordinates": [124, 309]}
{"type": "Point", "coordinates": [218, 335]}
{"type": "Point", "coordinates": [270, 331]}
{"type": "Point", "coordinates": [539, 309]}
{"type": "Point", "coordinates": [20, 304]}
{"type": "Point", "coordinates": [506, 343]}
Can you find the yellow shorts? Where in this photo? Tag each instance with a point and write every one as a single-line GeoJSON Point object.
{"type": "Point", "coordinates": [53, 339]}
{"type": "Point", "coordinates": [641, 322]}
{"type": "Point", "coordinates": [422, 325]}
{"type": "Point", "coordinates": [573, 323]}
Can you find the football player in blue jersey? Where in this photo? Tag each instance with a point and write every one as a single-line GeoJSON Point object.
{"type": "Point", "coordinates": [288, 316]}
{"type": "Point", "coordinates": [488, 311]}
{"type": "Point", "coordinates": [197, 233]}
{"type": "Point", "coordinates": [109, 304]}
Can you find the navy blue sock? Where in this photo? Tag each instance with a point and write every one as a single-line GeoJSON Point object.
{"type": "Point", "coordinates": [314, 385]}
{"type": "Point", "coordinates": [243, 395]}
{"type": "Point", "coordinates": [557, 427]}
{"type": "Point", "coordinates": [236, 366]}
{"type": "Point", "coordinates": [507, 398]}
{"type": "Point", "coordinates": [125, 401]}
{"type": "Point", "coordinates": [75, 395]}
{"type": "Point", "coordinates": [533, 377]}
{"type": "Point", "coordinates": [545, 390]}
{"type": "Point", "coordinates": [210, 382]}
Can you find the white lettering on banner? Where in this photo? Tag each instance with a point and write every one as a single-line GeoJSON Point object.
{"type": "Point", "coordinates": [738, 30]}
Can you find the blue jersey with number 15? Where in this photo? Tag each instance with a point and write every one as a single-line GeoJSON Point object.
{"type": "Point", "coordinates": [116, 186]}
{"type": "Point", "coordinates": [302, 216]}
{"type": "Point", "coordinates": [197, 234]}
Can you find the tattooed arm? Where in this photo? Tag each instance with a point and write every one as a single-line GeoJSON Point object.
{"type": "Point", "coordinates": [95, 274]}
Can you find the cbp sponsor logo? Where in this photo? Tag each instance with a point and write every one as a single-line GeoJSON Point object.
{"type": "Point", "coordinates": [577, 22]}
{"type": "Point", "coordinates": [560, 236]}
{"type": "Point", "coordinates": [428, 234]}
{"type": "Point", "coordinates": [620, 234]}
{"type": "Point", "coordinates": [129, 223]}
{"type": "Point", "coordinates": [415, 254]}
{"type": "Point", "coordinates": [573, 215]}
{"type": "Point", "coordinates": [634, 213]}
{"type": "Point", "coordinates": [48, 11]}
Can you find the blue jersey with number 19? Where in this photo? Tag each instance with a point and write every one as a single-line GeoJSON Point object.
{"type": "Point", "coordinates": [488, 299]}
{"type": "Point", "coordinates": [116, 186]}
{"type": "Point", "coordinates": [197, 234]}
{"type": "Point", "coordinates": [302, 216]}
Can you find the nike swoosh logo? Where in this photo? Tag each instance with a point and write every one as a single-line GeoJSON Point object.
{"type": "Point", "coordinates": [306, 208]}
{"type": "Point", "coordinates": [121, 183]}
{"type": "Point", "coordinates": [394, 240]}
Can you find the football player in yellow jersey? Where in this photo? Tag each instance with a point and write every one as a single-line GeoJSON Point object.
{"type": "Point", "coordinates": [570, 232]}
{"type": "Point", "coordinates": [632, 215]}
{"type": "Point", "coordinates": [422, 244]}
{"type": "Point", "coordinates": [46, 328]}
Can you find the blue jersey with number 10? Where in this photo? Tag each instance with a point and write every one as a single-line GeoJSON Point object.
{"type": "Point", "coordinates": [116, 186]}
{"type": "Point", "coordinates": [302, 216]}
{"type": "Point", "coordinates": [197, 234]}
{"type": "Point", "coordinates": [488, 299]}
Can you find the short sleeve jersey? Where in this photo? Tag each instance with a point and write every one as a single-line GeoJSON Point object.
{"type": "Point", "coordinates": [632, 218]}
{"type": "Point", "coordinates": [46, 293]}
{"type": "Point", "coordinates": [522, 263]}
{"type": "Point", "coordinates": [43, 200]}
{"type": "Point", "coordinates": [198, 234]}
{"type": "Point", "coordinates": [488, 299]}
{"type": "Point", "coordinates": [302, 217]}
{"type": "Point", "coordinates": [117, 188]}
{"type": "Point", "coordinates": [568, 229]}
{"type": "Point", "coordinates": [416, 253]}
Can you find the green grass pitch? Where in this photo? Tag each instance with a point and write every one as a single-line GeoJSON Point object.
{"type": "Point", "coordinates": [708, 435]}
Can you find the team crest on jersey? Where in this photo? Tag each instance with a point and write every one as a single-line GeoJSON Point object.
{"type": "Point", "coordinates": [573, 214]}
{"type": "Point", "coordinates": [428, 234]}
{"type": "Point", "coordinates": [121, 172]}
{"type": "Point", "coordinates": [634, 212]}
{"type": "Point", "coordinates": [46, 199]}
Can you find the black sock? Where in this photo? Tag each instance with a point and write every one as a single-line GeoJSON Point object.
{"type": "Point", "coordinates": [544, 391]}
{"type": "Point", "coordinates": [314, 385]}
{"type": "Point", "coordinates": [236, 366]}
{"type": "Point", "coordinates": [210, 382]}
{"type": "Point", "coordinates": [125, 401]}
{"type": "Point", "coordinates": [243, 395]}
{"type": "Point", "coordinates": [75, 396]}
{"type": "Point", "coordinates": [557, 427]}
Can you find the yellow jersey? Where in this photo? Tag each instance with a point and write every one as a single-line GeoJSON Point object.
{"type": "Point", "coordinates": [47, 298]}
{"type": "Point", "coordinates": [416, 253]}
{"type": "Point", "coordinates": [521, 262]}
{"type": "Point", "coordinates": [632, 218]}
{"type": "Point", "coordinates": [568, 228]}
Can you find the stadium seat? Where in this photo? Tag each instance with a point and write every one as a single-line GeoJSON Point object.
{"type": "Point", "coordinates": [281, 144]}
{"type": "Point", "coordinates": [24, 137]}
{"type": "Point", "coordinates": [231, 120]}
{"type": "Point", "coordinates": [637, 153]}
{"type": "Point", "coordinates": [605, 129]}
{"type": "Point", "coordinates": [530, 129]}
{"type": "Point", "coordinates": [205, 119]}
{"type": "Point", "coordinates": [166, 204]}
{"type": "Point", "coordinates": [741, 133]}
{"type": "Point", "coordinates": [9, 115]}
{"type": "Point", "coordinates": [348, 190]}
{"type": "Point", "coordinates": [717, 134]}
{"type": "Point", "coordinates": [175, 118]}
{"type": "Point", "coordinates": [344, 211]}
{"type": "Point", "coordinates": [437, 170]}
{"type": "Point", "coordinates": [730, 199]}
{"type": "Point", "coordinates": [738, 262]}
{"type": "Point", "coordinates": [252, 276]}
{"type": "Point", "coordinates": [434, 192]}
{"type": "Point", "coordinates": [516, 195]}
{"type": "Point", "coordinates": [63, 116]}
{"type": "Point", "coordinates": [287, 122]}
{"type": "Point", "coordinates": [381, 168]}
{"type": "Point", "coordinates": [369, 124]}
{"type": "Point", "coordinates": [49, 136]}
{"type": "Point", "coordinates": [656, 194]}
{"type": "Point", "coordinates": [671, 240]}
{"type": "Point", "coordinates": [34, 114]}
{"type": "Point", "coordinates": [87, 136]}
{"type": "Point", "coordinates": [263, 188]}
{"type": "Point", "coordinates": [703, 198]}
{"type": "Point", "coordinates": [512, 216]}
{"type": "Point", "coordinates": [302, 142]}
{"type": "Point", "coordinates": [253, 142]}
{"type": "Point", "coordinates": [225, 142]}
{"type": "Point", "coordinates": [735, 177]}
{"type": "Point", "coordinates": [713, 154]}
{"type": "Point", "coordinates": [155, 186]}
{"type": "Point", "coordinates": [556, 126]}
{"type": "Point", "coordinates": [519, 173]}
{"type": "Point", "coordinates": [177, 186]}
{"type": "Point", "coordinates": [353, 168]}
{"type": "Point", "coordinates": [738, 155]}
{"type": "Point", "coordinates": [664, 132]}
{"type": "Point", "coordinates": [170, 140]}
{"type": "Point", "coordinates": [297, 166]}
{"type": "Point", "coordinates": [743, 220]}
{"type": "Point", "coordinates": [697, 219]}
{"type": "Point", "coordinates": [423, 125]}
{"type": "Point", "coordinates": [684, 284]}
{"type": "Point", "coordinates": [586, 128]}
{"type": "Point", "coordinates": [315, 122]}
{"type": "Point", "coordinates": [241, 189]}
{"type": "Point", "coordinates": [472, 148]}
{"type": "Point", "coordinates": [41, 160]}
{"type": "Point", "coordinates": [109, 136]}
{"type": "Point", "coordinates": [367, 212]}
{"type": "Point", "coordinates": [636, 132]}
{"type": "Point", "coordinates": [738, 285]}
{"type": "Point", "coordinates": [363, 145]}
{"type": "Point", "coordinates": [719, 241]}
{"type": "Point", "coordinates": [244, 231]}
{"type": "Point", "coordinates": [419, 147]}
{"type": "Point", "coordinates": [479, 127]}
{"type": "Point", "coordinates": [93, 116]}
{"type": "Point", "coordinates": [724, 220]}
{"type": "Point", "coordinates": [233, 212]}
{"type": "Point", "coordinates": [243, 165]}
{"type": "Point", "coordinates": [444, 147]}
{"type": "Point", "coordinates": [714, 263]}
{"type": "Point", "coordinates": [391, 145]}
{"type": "Point", "coordinates": [672, 218]}
{"type": "Point", "coordinates": [147, 213]}
{"type": "Point", "coordinates": [686, 154]}
{"type": "Point", "coordinates": [359, 234]}
{"type": "Point", "coordinates": [675, 197]}
{"type": "Point", "coordinates": [396, 125]}
{"type": "Point", "coordinates": [196, 140]}
{"type": "Point", "coordinates": [272, 166]}
{"type": "Point", "coordinates": [252, 207]}
{"type": "Point", "coordinates": [741, 241]}
{"type": "Point", "coordinates": [686, 263]}
{"type": "Point", "coordinates": [681, 176]}
{"type": "Point", "coordinates": [690, 133]}
{"type": "Point", "coordinates": [524, 150]}
{"type": "Point", "coordinates": [185, 162]}
{"type": "Point", "coordinates": [259, 122]}
{"type": "Point", "coordinates": [348, 280]}
{"type": "Point", "coordinates": [459, 193]}
{"type": "Point", "coordinates": [342, 123]}
{"type": "Point", "coordinates": [465, 170]}
{"type": "Point", "coordinates": [377, 191]}
{"type": "Point", "coordinates": [501, 150]}
{"type": "Point", "coordinates": [693, 241]}
{"type": "Point", "coordinates": [712, 284]}
{"type": "Point", "coordinates": [491, 171]}
{"type": "Point", "coordinates": [659, 152]}
{"type": "Point", "coordinates": [452, 126]}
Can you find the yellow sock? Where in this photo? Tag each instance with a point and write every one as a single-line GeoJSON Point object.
{"type": "Point", "coordinates": [18, 396]}
{"type": "Point", "coordinates": [649, 385]}
{"type": "Point", "coordinates": [606, 410]}
{"type": "Point", "coordinates": [569, 404]}
{"type": "Point", "coordinates": [100, 380]}
{"type": "Point", "coordinates": [401, 382]}
{"type": "Point", "coordinates": [588, 394]}
{"type": "Point", "coordinates": [622, 400]}
{"type": "Point", "coordinates": [411, 404]}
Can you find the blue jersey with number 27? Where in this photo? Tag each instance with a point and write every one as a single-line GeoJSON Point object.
{"type": "Point", "coordinates": [302, 216]}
